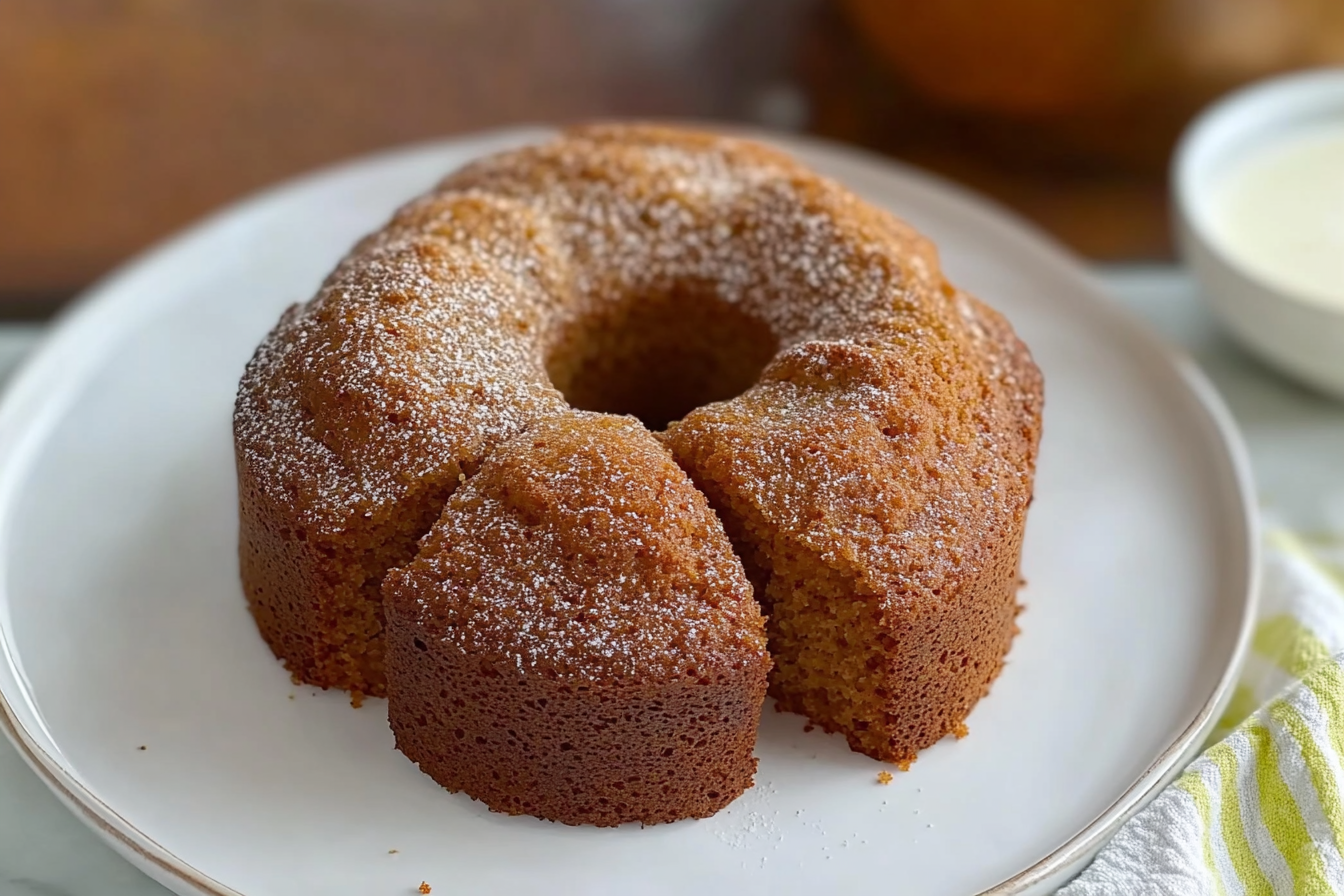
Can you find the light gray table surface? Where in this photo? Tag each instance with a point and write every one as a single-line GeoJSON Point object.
{"type": "Point", "coordinates": [1297, 447]}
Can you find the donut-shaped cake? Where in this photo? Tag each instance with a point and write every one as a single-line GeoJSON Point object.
{"type": "Point", "coordinates": [828, 449]}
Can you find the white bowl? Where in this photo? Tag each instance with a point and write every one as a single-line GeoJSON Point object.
{"type": "Point", "coordinates": [1300, 336]}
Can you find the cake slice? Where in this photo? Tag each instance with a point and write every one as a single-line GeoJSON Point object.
{"type": "Point", "coordinates": [576, 639]}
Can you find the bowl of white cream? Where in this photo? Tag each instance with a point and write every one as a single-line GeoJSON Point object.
{"type": "Point", "coordinates": [1259, 194]}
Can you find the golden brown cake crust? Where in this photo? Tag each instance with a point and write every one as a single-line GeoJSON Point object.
{"type": "Point", "coordinates": [878, 496]}
{"type": "Point", "coordinates": [576, 639]}
{"type": "Point", "coordinates": [873, 477]}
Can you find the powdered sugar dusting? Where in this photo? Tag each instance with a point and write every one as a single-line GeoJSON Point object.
{"type": "Point", "coordinates": [581, 551]}
{"type": "Point", "coordinates": [427, 347]}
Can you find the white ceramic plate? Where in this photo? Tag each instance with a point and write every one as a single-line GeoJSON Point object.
{"type": "Point", "coordinates": [135, 684]}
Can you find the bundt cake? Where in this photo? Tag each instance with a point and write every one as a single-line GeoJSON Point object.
{"type": "Point", "coordinates": [440, 502]}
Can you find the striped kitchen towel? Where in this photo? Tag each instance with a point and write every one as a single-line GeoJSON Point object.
{"type": "Point", "coordinates": [1262, 810]}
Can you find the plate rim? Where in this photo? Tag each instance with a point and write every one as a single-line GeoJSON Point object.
{"type": "Point", "coordinates": [76, 322]}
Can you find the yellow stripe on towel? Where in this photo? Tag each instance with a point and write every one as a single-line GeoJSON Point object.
{"type": "Point", "coordinates": [1234, 833]}
{"type": "Point", "coordinates": [1192, 783]}
{"type": "Point", "coordinates": [1290, 645]}
{"type": "Point", "coordinates": [1282, 817]}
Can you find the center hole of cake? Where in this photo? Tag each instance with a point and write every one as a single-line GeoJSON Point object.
{"type": "Point", "coordinates": [659, 357]}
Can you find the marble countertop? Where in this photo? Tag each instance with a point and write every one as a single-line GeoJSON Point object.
{"type": "Point", "coordinates": [1296, 440]}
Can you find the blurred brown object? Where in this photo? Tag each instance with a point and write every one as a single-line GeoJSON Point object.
{"type": "Point", "coordinates": [1027, 56]}
{"type": "Point", "coordinates": [124, 119]}
{"type": "Point", "coordinates": [1066, 109]}
{"type": "Point", "coordinates": [1061, 56]}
